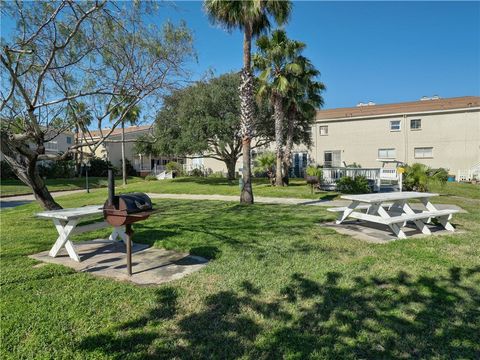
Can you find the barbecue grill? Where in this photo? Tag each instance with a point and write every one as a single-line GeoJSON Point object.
{"type": "Point", "coordinates": [126, 209]}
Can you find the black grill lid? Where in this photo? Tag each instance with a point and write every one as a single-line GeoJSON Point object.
{"type": "Point", "coordinates": [134, 202]}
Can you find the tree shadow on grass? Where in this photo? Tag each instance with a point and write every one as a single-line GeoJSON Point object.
{"type": "Point", "coordinates": [372, 317]}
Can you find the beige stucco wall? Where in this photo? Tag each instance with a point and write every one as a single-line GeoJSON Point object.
{"type": "Point", "coordinates": [454, 136]}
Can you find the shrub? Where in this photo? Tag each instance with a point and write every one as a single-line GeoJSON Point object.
{"type": "Point", "coordinates": [196, 172]}
{"type": "Point", "coordinates": [150, 177]}
{"type": "Point", "coordinates": [129, 168]}
{"type": "Point", "coordinates": [357, 185]}
{"type": "Point", "coordinates": [314, 171]}
{"type": "Point", "coordinates": [57, 169]}
{"type": "Point", "coordinates": [419, 177]}
{"type": "Point", "coordinates": [264, 164]}
{"type": "Point", "coordinates": [99, 167]}
{"type": "Point", "coordinates": [174, 167]}
{"type": "Point", "coordinates": [217, 175]}
{"type": "Point", "coordinates": [6, 171]}
{"type": "Point", "coordinates": [439, 175]}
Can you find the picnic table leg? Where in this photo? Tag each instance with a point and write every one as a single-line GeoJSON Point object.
{"type": "Point", "coordinates": [64, 230]}
{"type": "Point", "coordinates": [445, 222]}
{"type": "Point", "coordinates": [429, 206]}
{"type": "Point", "coordinates": [418, 223]}
{"type": "Point", "coordinates": [373, 209]}
{"type": "Point", "coordinates": [347, 212]}
{"type": "Point", "coordinates": [397, 230]}
{"type": "Point", "coordinates": [118, 231]}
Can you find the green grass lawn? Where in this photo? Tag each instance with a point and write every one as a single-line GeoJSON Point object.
{"type": "Point", "coordinates": [16, 187]}
{"type": "Point", "coordinates": [278, 285]}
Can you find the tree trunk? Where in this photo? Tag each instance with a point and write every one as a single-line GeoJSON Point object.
{"type": "Point", "coordinates": [231, 164]}
{"type": "Point", "coordinates": [246, 116]}
{"type": "Point", "coordinates": [278, 114]}
{"type": "Point", "coordinates": [26, 170]}
{"type": "Point", "coordinates": [124, 165]}
{"type": "Point", "coordinates": [287, 156]}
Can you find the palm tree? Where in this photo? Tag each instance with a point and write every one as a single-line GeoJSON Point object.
{"type": "Point", "coordinates": [252, 17]}
{"type": "Point", "coordinates": [81, 117]}
{"type": "Point", "coordinates": [278, 59]}
{"type": "Point", "coordinates": [302, 103]}
{"type": "Point", "coordinates": [131, 116]}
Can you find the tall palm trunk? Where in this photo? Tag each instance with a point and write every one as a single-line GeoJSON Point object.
{"type": "Point", "coordinates": [287, 155]}
{"type": "Point", "coordinates": [124, 165]}
{"type": "Point", "coordinates": [279, 116]}
{"type": "Point", "coordinates": [246, 116]}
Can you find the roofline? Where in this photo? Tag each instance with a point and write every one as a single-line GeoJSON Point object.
{"type": "Point", "coordinates": [363, 117]}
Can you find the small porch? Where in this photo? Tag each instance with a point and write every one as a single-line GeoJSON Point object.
{"type": "Point", "coordinates": [147, 164]}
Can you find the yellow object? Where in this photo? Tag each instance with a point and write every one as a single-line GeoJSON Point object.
{"type": "Point", "coordinates": [400, 170]}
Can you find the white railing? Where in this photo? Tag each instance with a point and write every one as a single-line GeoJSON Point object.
{"type": "Point", "coordinates": [330, 176]}
{"type": "Point", "coordinates": [468, 175]}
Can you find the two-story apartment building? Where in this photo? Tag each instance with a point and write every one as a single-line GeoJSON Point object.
{"type": "Point", "coordinates": [433, 131]}
{"type": "Point", "coordinates": [111, 149]}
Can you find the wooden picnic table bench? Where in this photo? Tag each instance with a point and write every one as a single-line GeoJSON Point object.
{"type": "Point", "coordinates": [396, 213]}
{"type": "Point", "coordinates": [66, 221]}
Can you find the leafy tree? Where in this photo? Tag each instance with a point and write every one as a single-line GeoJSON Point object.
{"type": "Point", "coordinates": [252, 17]}
{"type": "Point", "coordinates": [278, 59]}
{"type": "Point", "coordinates": [63, 52]}
{"type": "Point", "coordinates": [205, 118]}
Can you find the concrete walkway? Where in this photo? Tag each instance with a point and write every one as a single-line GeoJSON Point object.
{"type": "Point", "coordinates": [17, 200]}
{"type": "Point", "coordinates": [258, 199]}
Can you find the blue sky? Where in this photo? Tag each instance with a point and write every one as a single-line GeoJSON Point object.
{"type": "Point", "coordinates": [366, 51]}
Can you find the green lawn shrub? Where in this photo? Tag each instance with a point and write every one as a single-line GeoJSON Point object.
{"type": "Point", "coordinates": [349, 185]}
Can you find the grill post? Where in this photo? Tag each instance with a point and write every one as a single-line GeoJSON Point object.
{"type": "Point", "coordinates": [111, 187]}
{"type": "Point", "coordinates": [129, 233]}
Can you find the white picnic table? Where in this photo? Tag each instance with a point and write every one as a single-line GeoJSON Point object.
{"type": "Point", "coordinates": [66, 221]}
{"type": "Point", "coordinates": [393, 209]}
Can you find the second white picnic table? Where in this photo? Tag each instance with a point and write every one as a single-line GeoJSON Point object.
{"type": "Point", "coordinates": [66, 221]}
{"type": "Point", "coordinates": [379, 211]}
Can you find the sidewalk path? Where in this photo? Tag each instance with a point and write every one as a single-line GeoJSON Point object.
{"type": "Point", "coordinates": [12, 201]}
{"type": "Point", "coordinates": [258, 199]}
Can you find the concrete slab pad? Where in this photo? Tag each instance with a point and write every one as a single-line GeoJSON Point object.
{"type": "Point", "coordinates": [107, 258]}
{"type": "Point", "coordinates": [381, 234]}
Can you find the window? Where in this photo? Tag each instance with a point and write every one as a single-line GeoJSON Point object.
{"type": "Point", "coordinates": [332, 158]}
{"type": "Point", "coordinates": [323, 130]}
{"type": "Point", "coordinates": [423, 152]}
{"type": "Point", "coordinates": [415, 124]}
{"type": "Point", "coordinates": [69, 140]}
{"type": "Point", "coordinates": [386, 153]}
{"type": "Point", "coordinates": [51, 145]}
{"type": "Point", "coordinates": [395, 125]}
